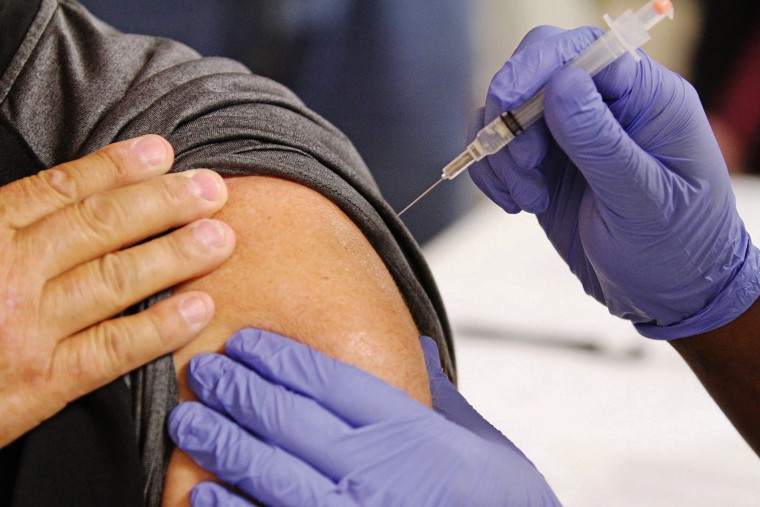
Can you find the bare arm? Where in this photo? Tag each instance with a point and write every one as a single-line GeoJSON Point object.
{"type": "Point", "coordinates": [303, 269]}
{"type": "Point", "coordinates": [727, 362]}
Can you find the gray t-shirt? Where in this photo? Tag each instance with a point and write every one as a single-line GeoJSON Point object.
{"type": "Point", "coordinates": [75, 85]}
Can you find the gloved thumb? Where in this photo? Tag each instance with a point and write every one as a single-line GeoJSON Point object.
{"type": "Point", "coordinates": [449, 403]}
{"type": "Point", "coordinates": [625, 178]}
{"type": "Point", "coordinates": [441, 389]}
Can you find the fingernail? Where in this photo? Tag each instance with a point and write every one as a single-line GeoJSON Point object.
{"type": "Point", "coordinates": [194, 310]}
{"type": "Point", "coordinates": [151, 150]}
{"type": "Point", "coordinates": [210, 233]}
{"type": "Point", "coordinates": [205, 185]}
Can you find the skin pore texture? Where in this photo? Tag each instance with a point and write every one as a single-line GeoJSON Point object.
{"type": "Point", "coordinates": [301, 268]}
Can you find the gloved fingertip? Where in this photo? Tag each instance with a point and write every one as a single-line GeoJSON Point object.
{"type": "Point", "coordinates": [205, 494]}
{"type": "Point", "coordinates": [204, 372]}
{"type": "Point", "coordinates": [247, 345]}
{"type": "Point", "coordinates": [173, 424]}
{"type": "Point", "coordinates": [506, 203]}
{"type": "Point", "coordinates": [242, 337]}
{"type": "Point", "coordinates": [528, 200]}
{"type": "Point", "coordinates": [179, 419]}
{"type": "Point", "coordinates": [430, 353]}
{"type": "Point", "coordinates": [252, 343]}
{"type": "Point", "coordinates": [538, 202]}
{"type": "Point", "coordinates": [428, 344]}
{"type": "Point", "coordinates": [203, 361]}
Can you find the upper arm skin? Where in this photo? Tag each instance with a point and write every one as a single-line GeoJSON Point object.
{"type": "Point", "coordinates": [301, 268]}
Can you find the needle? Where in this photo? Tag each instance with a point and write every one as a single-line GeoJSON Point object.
{"type": "Point", "coordinates": [423, 194]}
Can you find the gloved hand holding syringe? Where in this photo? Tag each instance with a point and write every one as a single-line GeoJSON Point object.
{"type": "Point", "coordinates": [627, 33]}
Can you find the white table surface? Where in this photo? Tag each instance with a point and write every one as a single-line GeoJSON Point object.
{"type": "Point", "coordinates": [609, 417]}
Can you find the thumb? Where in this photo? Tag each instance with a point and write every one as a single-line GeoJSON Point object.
{"type": "Point", "coordinates": [449, 403]}
{"type": "Point", "coordinates": [446, 399]}
{"type": "Point", "coordinates": [622, 176]}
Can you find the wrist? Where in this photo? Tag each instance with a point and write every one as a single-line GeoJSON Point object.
{"type": "Point", "coordinates": [738, 295]}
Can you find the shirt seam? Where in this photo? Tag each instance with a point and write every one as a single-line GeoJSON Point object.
{"type": "Point", "coordinates": [25, 50]}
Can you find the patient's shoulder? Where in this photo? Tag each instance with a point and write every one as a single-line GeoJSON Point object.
{"type": "Point", "coordinates": [303, 269]}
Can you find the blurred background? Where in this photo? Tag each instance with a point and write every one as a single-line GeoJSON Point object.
{"type": "Point", "coordinates": [395, 76]}
{"type": "Point", "coordinates": [609, 417]}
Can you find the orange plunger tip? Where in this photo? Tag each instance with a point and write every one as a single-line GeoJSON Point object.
{"type": "Point", "coordinates": [663, 6]}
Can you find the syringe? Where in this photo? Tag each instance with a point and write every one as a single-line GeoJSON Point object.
{"type": "Point", "coordinates": [629, 31]}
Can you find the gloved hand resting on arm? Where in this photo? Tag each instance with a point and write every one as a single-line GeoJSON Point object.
{"type": "Point", "coordinates": [300, 428]}
{"type": "Point", "coordinates": [627, 180]}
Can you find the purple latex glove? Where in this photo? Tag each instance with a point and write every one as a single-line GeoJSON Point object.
{"type": "Point", "coordinates": [627, 182]}
{"type": "Point", "coordinates": [290, 426]}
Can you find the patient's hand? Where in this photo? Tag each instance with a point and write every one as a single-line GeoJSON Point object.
{"type": "Point", "coordinates": [75, 250]}
{"type": "Point", "coordinates": [301, 268]}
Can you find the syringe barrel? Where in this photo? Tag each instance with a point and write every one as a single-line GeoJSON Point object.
{"type": "Point", "coordinates": [605, 50]}
{"type": "Point", "coordinates": [531, 110]}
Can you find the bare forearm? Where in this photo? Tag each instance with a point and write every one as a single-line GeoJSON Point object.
{"type": "Point", "coordinates": [727, 362]}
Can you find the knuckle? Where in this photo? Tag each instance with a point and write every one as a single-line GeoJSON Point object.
{"type": "Point", "coordinates": [539, 33]}
{"type": "Point", "coordinates": [56, 186]}
{"type": "Point", "coordinates": [100, 214]}
{"type": "Point", "coordinates": [36, 365]}
{"type": "Point", "coordinates": [115, 276]}
{"type": "Point", "coordinates": [113, 349]}
{"type": "Point", "coordinates": [59, 181]}
{"type": "Point", "coordinates": [120, 344]}
{"type": "Point", "coordinates": [101, 355]}
{"type": "Point", "coordinates": [31, 366]}
{"type": "Point", "coordinates": [99, 358]}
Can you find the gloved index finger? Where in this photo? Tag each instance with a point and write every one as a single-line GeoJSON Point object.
{"type": "Point", "coordinates": [512, 177]}
{"type": "Point", "coordinates": [296, 423]}
{"type": "Point", "coordinates": [528, 70]}
{"type": "Point", "coordinates": [623, 177]}
{"type": "Point", "coordinates": [261, 470]}
{"type": "Point", "coordinates": [345, 390]}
